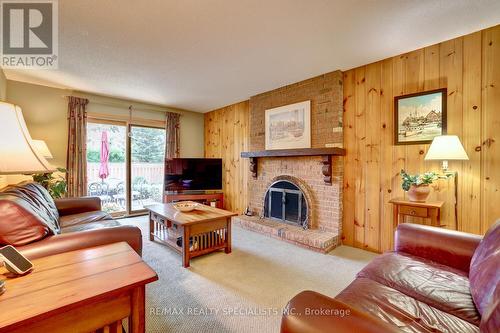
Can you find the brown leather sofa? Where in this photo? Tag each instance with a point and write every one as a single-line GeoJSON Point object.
{"type": "Point", "coordinates": [435, 280]}
{"type": "Point", "coordinates": [38, 226]}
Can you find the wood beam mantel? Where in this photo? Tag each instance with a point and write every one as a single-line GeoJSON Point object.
{"type": "Point", "coordinates": [325, 153]}
{"type": "Point", "coordinates": [295, 152]}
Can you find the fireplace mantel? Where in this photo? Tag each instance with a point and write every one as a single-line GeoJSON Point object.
{"type": "Point", "coordinates": [325, 153]}
{"type": "Point", "coordinates": [295, 152]}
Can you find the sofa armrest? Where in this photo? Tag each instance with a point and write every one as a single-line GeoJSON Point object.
{"type": "Point", "coordinates": [447, 247]}
{"type": "Point", "coordinates": [311, 312]}
{"type": "Point", "coordinates": [84, 239]}
{"type": "Point", "coordinates": [69, 206]}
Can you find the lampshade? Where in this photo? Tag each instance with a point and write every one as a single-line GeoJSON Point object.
{"type": "Point", "coordinates": [42, 148]}
{"type": "Point", "coordinates": [18, 154]}
{"type": "Point", "coordinates": [446, 148]}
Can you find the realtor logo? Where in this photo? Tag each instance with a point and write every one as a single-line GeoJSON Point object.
{"type": "Point", "coordinates": [29, 34]}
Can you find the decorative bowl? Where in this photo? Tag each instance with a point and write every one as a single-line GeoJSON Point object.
{"type": "Point", "coordinates": [186, 207]}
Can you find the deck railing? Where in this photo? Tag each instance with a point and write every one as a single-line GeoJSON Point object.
{"type": "Point", "coordinates": [151, 172]}
{"type": "Point", "coordinates": [144, 191]}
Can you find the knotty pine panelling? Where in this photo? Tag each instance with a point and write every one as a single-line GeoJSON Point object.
{"type": "Point", "coordinates": [226, 136]}
{"type": "Point", "coordinates": [469, 67]}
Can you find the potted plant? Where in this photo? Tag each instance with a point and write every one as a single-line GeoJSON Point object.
{"type": "Point", "coordinates": [55, 184]}
{"type": "Point", "coordinates": [417, 186]}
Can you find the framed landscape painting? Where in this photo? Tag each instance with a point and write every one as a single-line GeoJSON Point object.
{"type": "Point", "coordinates": [419, 117]}
{"type": "Point", "coordinates": [289, 126]}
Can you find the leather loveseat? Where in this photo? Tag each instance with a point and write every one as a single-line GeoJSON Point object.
{"type": "Point", "coordinates": [38, 226]}
{"type": "Point", "coordinates": [435, 280]}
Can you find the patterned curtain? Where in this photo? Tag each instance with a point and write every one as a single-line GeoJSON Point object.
{"type": "Point", "coordinates": [77, 147]}
{"type": "Point", "coordinates": [172, 136]}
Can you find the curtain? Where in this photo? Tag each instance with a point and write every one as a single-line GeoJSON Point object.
{"type": "Point", "coordinates": [76, 164]}
{"type": "Point", "coordinates": [172, 135]}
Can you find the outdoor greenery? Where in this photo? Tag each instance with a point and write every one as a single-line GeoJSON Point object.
{"type": "Point", "coordinates": [152, 191]}
{"type": "Point", "coordinates": [148, 145]}
{"type": "Point", "coordinates": [55, 184]}
{"type": "Point", "coordinates": [115, 156]}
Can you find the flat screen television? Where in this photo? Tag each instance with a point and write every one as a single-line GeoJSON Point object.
{"type": "Point", "coordinates": [193, 174]}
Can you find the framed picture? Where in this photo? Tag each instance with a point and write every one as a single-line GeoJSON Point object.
{"type": "Point", "coordinates": [419, 117]}
{"type": "Point", "coordinates": [289, 126]}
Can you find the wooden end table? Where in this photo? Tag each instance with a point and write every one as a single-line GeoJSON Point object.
{"type": "Point", "coordinates": [207, 229]}
{"type": "Point", "coordinates": [80, 291]}
{"type": "Point", "coordinates": [431, 210]}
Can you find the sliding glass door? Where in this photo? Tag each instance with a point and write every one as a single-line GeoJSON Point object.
{"type": "Point", "coordinates": [147, 151]}
{"type": "Point", "coordinates": [107, 165]}
{"type": "Point", "coordinates": [125, 171]}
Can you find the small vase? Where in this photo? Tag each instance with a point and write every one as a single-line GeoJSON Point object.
{"type": "Point", "coordinates": [419, 193]}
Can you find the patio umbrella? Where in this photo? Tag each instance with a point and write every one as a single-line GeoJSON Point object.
{"type": "Point", "coordinates": [104, 159]}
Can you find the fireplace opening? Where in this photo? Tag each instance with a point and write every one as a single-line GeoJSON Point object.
{"type": "Point", "coordinates": [285, 201]}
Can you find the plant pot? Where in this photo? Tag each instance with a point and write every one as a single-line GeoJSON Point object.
{"type": "Point", "coordinates": [419, 193]}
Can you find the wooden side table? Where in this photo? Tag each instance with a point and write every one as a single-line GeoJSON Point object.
{"type": "Point", "coordinates": [80, 291]}
{"type": "Point", "coordinates": [430, 210]}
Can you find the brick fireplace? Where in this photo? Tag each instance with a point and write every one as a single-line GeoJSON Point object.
{"type": "Point", "coordinates": [323, 201]}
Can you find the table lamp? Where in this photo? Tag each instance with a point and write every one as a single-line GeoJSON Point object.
{"type": "Point", "coordinates": [446, 148]}
{"type": "Point", "coordinates": [43, 149]}
{"type": "Point", "coordinates": [18, 153]}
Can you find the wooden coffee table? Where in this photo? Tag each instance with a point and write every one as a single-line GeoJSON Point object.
{"type": "Point", "coordinates": [79, 291]}
{"type": "Point", "coordinates": [208, 229]}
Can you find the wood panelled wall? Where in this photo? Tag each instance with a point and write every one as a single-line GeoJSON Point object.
{"type": "Point", "coordinates": [226, 136]}
{"type": "Point", "coordinates": [469, 67]}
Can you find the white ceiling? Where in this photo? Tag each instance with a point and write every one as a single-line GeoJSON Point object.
{"type": "Point", "coordinates": [203, 54]}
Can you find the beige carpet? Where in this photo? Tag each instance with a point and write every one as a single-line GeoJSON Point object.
{"type": "Point", "coordinates": [243, 291]}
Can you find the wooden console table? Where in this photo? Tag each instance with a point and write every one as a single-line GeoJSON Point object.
{"type": "Point", "coordinates": [431, 210]}
{"type": "Point", "coordinates": [204, 198]}
{"type": "Point", "coordinates": [80, 291]}
{"type": "Point", "coordinates": [204, 230]}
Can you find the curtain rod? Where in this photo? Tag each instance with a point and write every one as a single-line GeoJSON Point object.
{"type": "Point", "coordinates": [122, 106]}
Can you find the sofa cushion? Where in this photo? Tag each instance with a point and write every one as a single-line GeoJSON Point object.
{"type": "Point", "coordinates": [439, 286]}
{"type": "Point", "coordinates": [28, 214]}
{"type": "Point", "coordinates": [91, 226]}
{"type": "Point", "coordinates": [82, 218]}
{"type": "Point", "coordinates": [490, 321]}
{"type": "Point", "coordinates": [403, 311]}
{"type": "Point", "coordinates": [484, 269]}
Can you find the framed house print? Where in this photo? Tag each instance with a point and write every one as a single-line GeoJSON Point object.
{"type": "Point", "coordinates": [289, 126]}
{"type": "Point", "coordinates": [420, 117]}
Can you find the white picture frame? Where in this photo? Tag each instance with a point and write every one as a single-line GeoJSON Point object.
{"type": "Point", "coordinates": [288, 127]}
